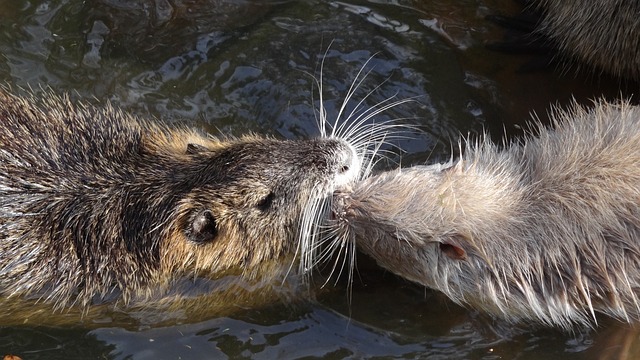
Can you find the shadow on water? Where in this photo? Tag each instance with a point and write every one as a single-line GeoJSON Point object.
{"type": "Point", "coordinates": [234, 67]}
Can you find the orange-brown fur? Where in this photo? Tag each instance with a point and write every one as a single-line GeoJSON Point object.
{"type": "Point", "coordinates": [100, 207]}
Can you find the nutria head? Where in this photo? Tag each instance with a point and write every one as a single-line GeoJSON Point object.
{"type": "Point", "coordinates": [243, 203]}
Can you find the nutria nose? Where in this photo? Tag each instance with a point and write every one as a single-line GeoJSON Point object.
{"type": "Point", "coordinates": [347, 165]}
{"type": "Point", "coordinates": [346, 161]}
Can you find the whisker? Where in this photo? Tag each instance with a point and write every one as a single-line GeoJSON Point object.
{"type": "Point", "coordinates": [321, 241]}
{"type": "Point", "coordinates": [323, 111]}
{"type": "Point", "coordinates": [352, 89]}
{"type": "Point", "coordinates": [362, 116]}
{"type": "Point", "coordinates": [338, 246]}
{"type": "Point", "coordinates": [372, 112]}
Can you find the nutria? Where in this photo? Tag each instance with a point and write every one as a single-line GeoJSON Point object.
{"type": "Point", "coordinates": [100, 206]}
{"type": "Point", "coordinates": [598, 35]}
{"type": "Point", "coordinates": [602, 34]}
{"type": "Point", "coordinates": [546, 229]}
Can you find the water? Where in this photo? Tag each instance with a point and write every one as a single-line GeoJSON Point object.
{"type": "Point", "coordinates": [234, 67]}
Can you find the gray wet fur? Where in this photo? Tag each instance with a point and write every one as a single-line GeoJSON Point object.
{"type": "Point", "coordinates": [98, 205]}
{"type": "Point", "coordinates": [546, 229]}
{"type": "Point", "coordinates": [601, 34]}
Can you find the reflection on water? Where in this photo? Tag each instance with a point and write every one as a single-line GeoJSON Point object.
{"type": "Point", "coordinates": [254, 77]}
{"type": "Point", "coordinates": [251, 66]}
{"type": "Point", "coordinates": [318, 332]}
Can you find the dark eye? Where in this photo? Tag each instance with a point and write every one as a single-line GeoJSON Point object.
{"type": "Point", "coordinates": [203, 228]}
{"type": "Point", "coordinates": [265, 203]}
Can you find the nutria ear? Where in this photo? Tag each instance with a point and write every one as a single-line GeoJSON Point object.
{"type": "Point", "coordinates": [265, 202]}
{"type": "Point", "coordinates": [203, 228]}
{"type": "Point", "coordinates": [195, 149]}
{"type": "Point", "coordinates": [452, 247]}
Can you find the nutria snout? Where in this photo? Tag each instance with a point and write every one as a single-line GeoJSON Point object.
{"type": "Point", "coordinates": [546, 229]}
{"type": "Point", "coordinates": [96, 204]}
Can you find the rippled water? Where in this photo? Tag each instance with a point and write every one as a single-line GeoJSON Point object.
{"type": "Point", "coordinates": [251, 66]}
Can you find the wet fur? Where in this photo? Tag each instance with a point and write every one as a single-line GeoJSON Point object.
{"type": "Point", "coordinates": [603, 34]}
{"type": "Point", "coordinates": [98, 206]}
{"type": "Point", "coordinates": [546, 229]}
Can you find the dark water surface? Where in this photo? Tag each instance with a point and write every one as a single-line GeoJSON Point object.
{"type": "Point", "coordinates": [235, 67]}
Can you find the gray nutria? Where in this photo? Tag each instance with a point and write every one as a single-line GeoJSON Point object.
{"type": "Point", "coordinates": [97, 205]}
{"type": "Point", "coordinates": [545, 230]}
{"type": "Point", "coordinates": [604, 34]}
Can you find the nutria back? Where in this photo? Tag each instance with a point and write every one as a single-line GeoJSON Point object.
{"type": "Point", "coordinates": [97, 205]}
{"type": "Point", "coordinates": [604, 34]}
{"type": "Point", "coordinates": [545, 230]}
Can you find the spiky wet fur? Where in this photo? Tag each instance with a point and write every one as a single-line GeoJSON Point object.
{"type": "Point", "coordinates": [96, 205]}
{"type": "Point", "coordinates": [603, 34]}
{"type": "Point", "coordinates": [545, 230]}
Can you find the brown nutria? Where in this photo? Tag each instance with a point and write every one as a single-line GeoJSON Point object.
{"type": "Point", "coordinates": [98, 206]}
{"type": "Point", "coordinates": [546, 229]}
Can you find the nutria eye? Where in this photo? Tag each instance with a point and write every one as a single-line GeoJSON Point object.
{"type": "Point", "coordinates": [344, 169]}
{"type": "Point", "coordinates": [203, 228]}
{"type": "Point", "coordinates": [265, 203]}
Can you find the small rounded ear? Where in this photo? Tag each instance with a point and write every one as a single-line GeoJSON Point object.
{"type": "Point", "coordinates": [203, 228]}
{"type": "Point", "coordinates": [195, 149]}
{"type": "Point", "coordinates": [452, 247]}
{"type": "Point", "coordinates": [265, 202]}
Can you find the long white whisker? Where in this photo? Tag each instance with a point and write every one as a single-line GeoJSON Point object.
{"type": "Point", "coordinates": [339, 129]}
{"type": "Point", "coordinates": [320, 240]}
{"type": "Point", "coordinates": [352, 89]}
{"type": "Point", "coordinates": [374, 111]}
{"type": "Point", "coordinates": [323, 111]}
{"type": "Point", "coordinates": [359, 105]}
{"type": "Point", "coordinates": [338, 246]}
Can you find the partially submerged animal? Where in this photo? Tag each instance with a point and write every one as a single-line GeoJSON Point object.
{"type": "Point", "coordinates": [601, 36]}
{"type": "Point", "coordinates": [99, 206]}
{"type": "Point", "coordinates": [546, 229]}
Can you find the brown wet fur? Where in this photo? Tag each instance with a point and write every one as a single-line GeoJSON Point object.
{"type": "Point", "coordinates": [100, 207]}
{"type": "Point", "coordinates": [544, 230]}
